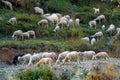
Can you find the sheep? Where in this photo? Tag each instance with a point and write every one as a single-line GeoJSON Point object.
{"type": "Point", "coordinates": [52, 55]}
{"type": "Point", "coordinates": [12, 21]}
{"type": "Point", "coordinates": [43, 22]}
{"type": "Point", "coordinates": [100, 19]}
{"type": "Point", "coordinates": [25, 58]}
{"type": "Point", "coordinates": [58, 14]}
{"type": "Point", "coordinates": [100, 55]}
{"type": "Point", "coordinates": [103, 27]}
{"type": "Point", "coordinates": [67, 16]}
{"type": "Point", "coordinates": [46, 15]}
{"type": "Point", "coordinates": [111, 28]}
{"type": "Point", "coordinates": [7, 3]}
{"type": "Point", "coordinates": [35, 57]}
{"type": "Point", "coordinates": [44, 61]}
{"type": "Point", "coordinates": [77, 21]}
{"type": "Point", "coordinates": [70, 22]}
{"type": "Point", "coordinates": [92, 23]}
{"type": "Point", "coordinates": [15, 59]}
{"type": "Point", "coordinates": [53, 18]}
{"type": "Point", "coordinates": [118, 31]}
{"type": "Point", "coordinates": [32, 33]}
{"type": "Point", "coordinates": [88, 54]}
{"type": "Point", "coordinates": [26, 34]}
{"type": "Point", "coordinates": [63, 23]}
{"type": "Point", "coordinates": [93, 41]}
{"type": "Point", "coordinates": [38, 10]}
{"type": "Point", "coordinates": [63, 18]}
{"type": "Point", "coordinates": [57, 28]}
{"type": "Point", "coordinates": [74, 55]}
{"type": "Point", "coordinates": [61, 56]}
{"type": "Point", "coordinates": [98, 34]}
{"type": "Point", "coordinates": [96, 10]}
{"type": "Point", "coordinates": [86, 39]}
{"type": "Point", "coordinates": [16, 34]}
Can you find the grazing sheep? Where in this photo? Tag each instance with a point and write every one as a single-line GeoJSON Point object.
{"type": "Point", "coordinates": [12, 21]}
{"type": "Point", "coordinates": [16, 34]}
{"type": "Point", "coordinates": [63, 23]}
{"type": "Point", "coordinates": [77, 21]}
{"type": "Point", "coordinates": [98, 34]}
{"type": "Point", "coordinates": [88, 54]}
{"type": "Point", "coordinates": [61, 56]}
{"type": "Point", "coordinates": [74, 55]}
{"type": "Point", "coordinates": [100, 19]}
{"type": "Point", "coordinates": [70, 22]}
{"type": "Point", "coordinates": [111, 28]}
{"type": "Point", "coordinates": [100, 55]}
{"type": "Point", "coordinates": [52, 55]}
{"type": "Point", "coordinates": [92, 23]}
{"type": "Point", "coordinates": [96, 10]}
{"type": "Point", "coordinates": [46, 15]}
{"type": "Point", "coordinates": [35, 58]}
{"type": "Point", "coordinates": [32, 33]}
{"type": "Point", "coordinates": [25, 58]}
{"type": "Point", "coordinates": [38, 10]}
{"type": "Point", "coordinates": [103, 27]}
{"type": "Point", "coordinates": [86, 39]}
{"type": "Point", "coordinates": [43, 22]}
{"type": "Point", "coordinates": [57, 28]}
{"type": "Point", "coordinates": [67, 16]}
{"type": "Point", "coordinates": [63, 18]}
{"type": "Point", "coordinates": [93, 41]}
{"type": "Point", "coordinates": [53, 18]}
{"type": "Point", "coordinates": [44, 61]}
{"type": "Point", "coordinates": [26, 34]}
{"type": "Point", "coordinates": [58, 14]}
{"type": "Point", "coordinates": [8, 4]}
{"type": "Point", "coordinates": [118, 31]}
{"type": "Point", "coordinates": [15, 59]}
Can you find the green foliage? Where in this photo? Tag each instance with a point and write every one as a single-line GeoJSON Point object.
{"type": "Point", "coordinates": [42, 72]}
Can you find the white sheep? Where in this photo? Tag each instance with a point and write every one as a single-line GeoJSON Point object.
{"type": "Point", "coordinates": [16, 34]}
{"type": "Point", "coordinates": [70, 22]}
{"type": "Point", "coordinates": [32, 33]}
{"type": "Point", "coordinates": [103, 27]}
{"type": "Point", "coordinates": [53, 18]}
{"type": "Point", "coordinates": [61, 56]}
{"type": "Point", "coordinates": [38, 10]}
{"type": "Point", "coordinates": [63, 18]}
{"type": "Point", "coordinates": [96, 10]}
{"type": "Point", "coordinates": [8, 4]}
{"type": "Point", "coordinates": [111, 28]}
{"type": "Point", "coordinates": [43, 22]}
{"type": "Point", "coordinates": [44, 61]}
{"type": "Point", "coordinates": [100, 18]}
{"type": "Point", "coordinates": [74, 55]}
{"type": "Point", "coordinates": [63, 23]}
{"type": "Point", "coordinates": [118, 31]}
{"type": "Point", "coordinates": [100, 55]}
{"type": "Point", "coordinates": [92, 23]}
{"type": "Point", "coordinates": [35, 57]}
{"type": "Point", "coordinates": [86, 39]}
{"type": "Point", "coordinates": [24, 58]}
{"type": "Point", "coordinates": [12, 21]}
{"type": "Point", "coordinates": [57, 28]}
{"type": "Point", "coordinates": [88, 55]}
{"type": "Point", "coordinates": [58, 14]}
{"type": "Point", "coordinates": [98, 34]}
{"type": "Point", "coordinates": [77, 21]}
{"type": "Point", "coordinates": [93, 41]}
{"type": "Point", "coordinates": [26, 34]}
{"type": "Point", "coordinates": [67, 16]}
{"type": "Point", "coordinates": [52, 55]}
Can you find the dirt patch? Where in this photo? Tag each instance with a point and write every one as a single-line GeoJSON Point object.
{"type": "Point", "coordinates": [7, 55]}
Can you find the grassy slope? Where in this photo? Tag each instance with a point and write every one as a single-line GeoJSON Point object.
{"type": "Point", "coordinates": [68, 39]}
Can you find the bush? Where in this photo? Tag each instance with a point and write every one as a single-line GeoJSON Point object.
{"type": "Point", "coordinates": [41, 72]}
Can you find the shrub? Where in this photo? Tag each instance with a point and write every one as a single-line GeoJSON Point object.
{"type": "Point", "coordinates": [37, 73]}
